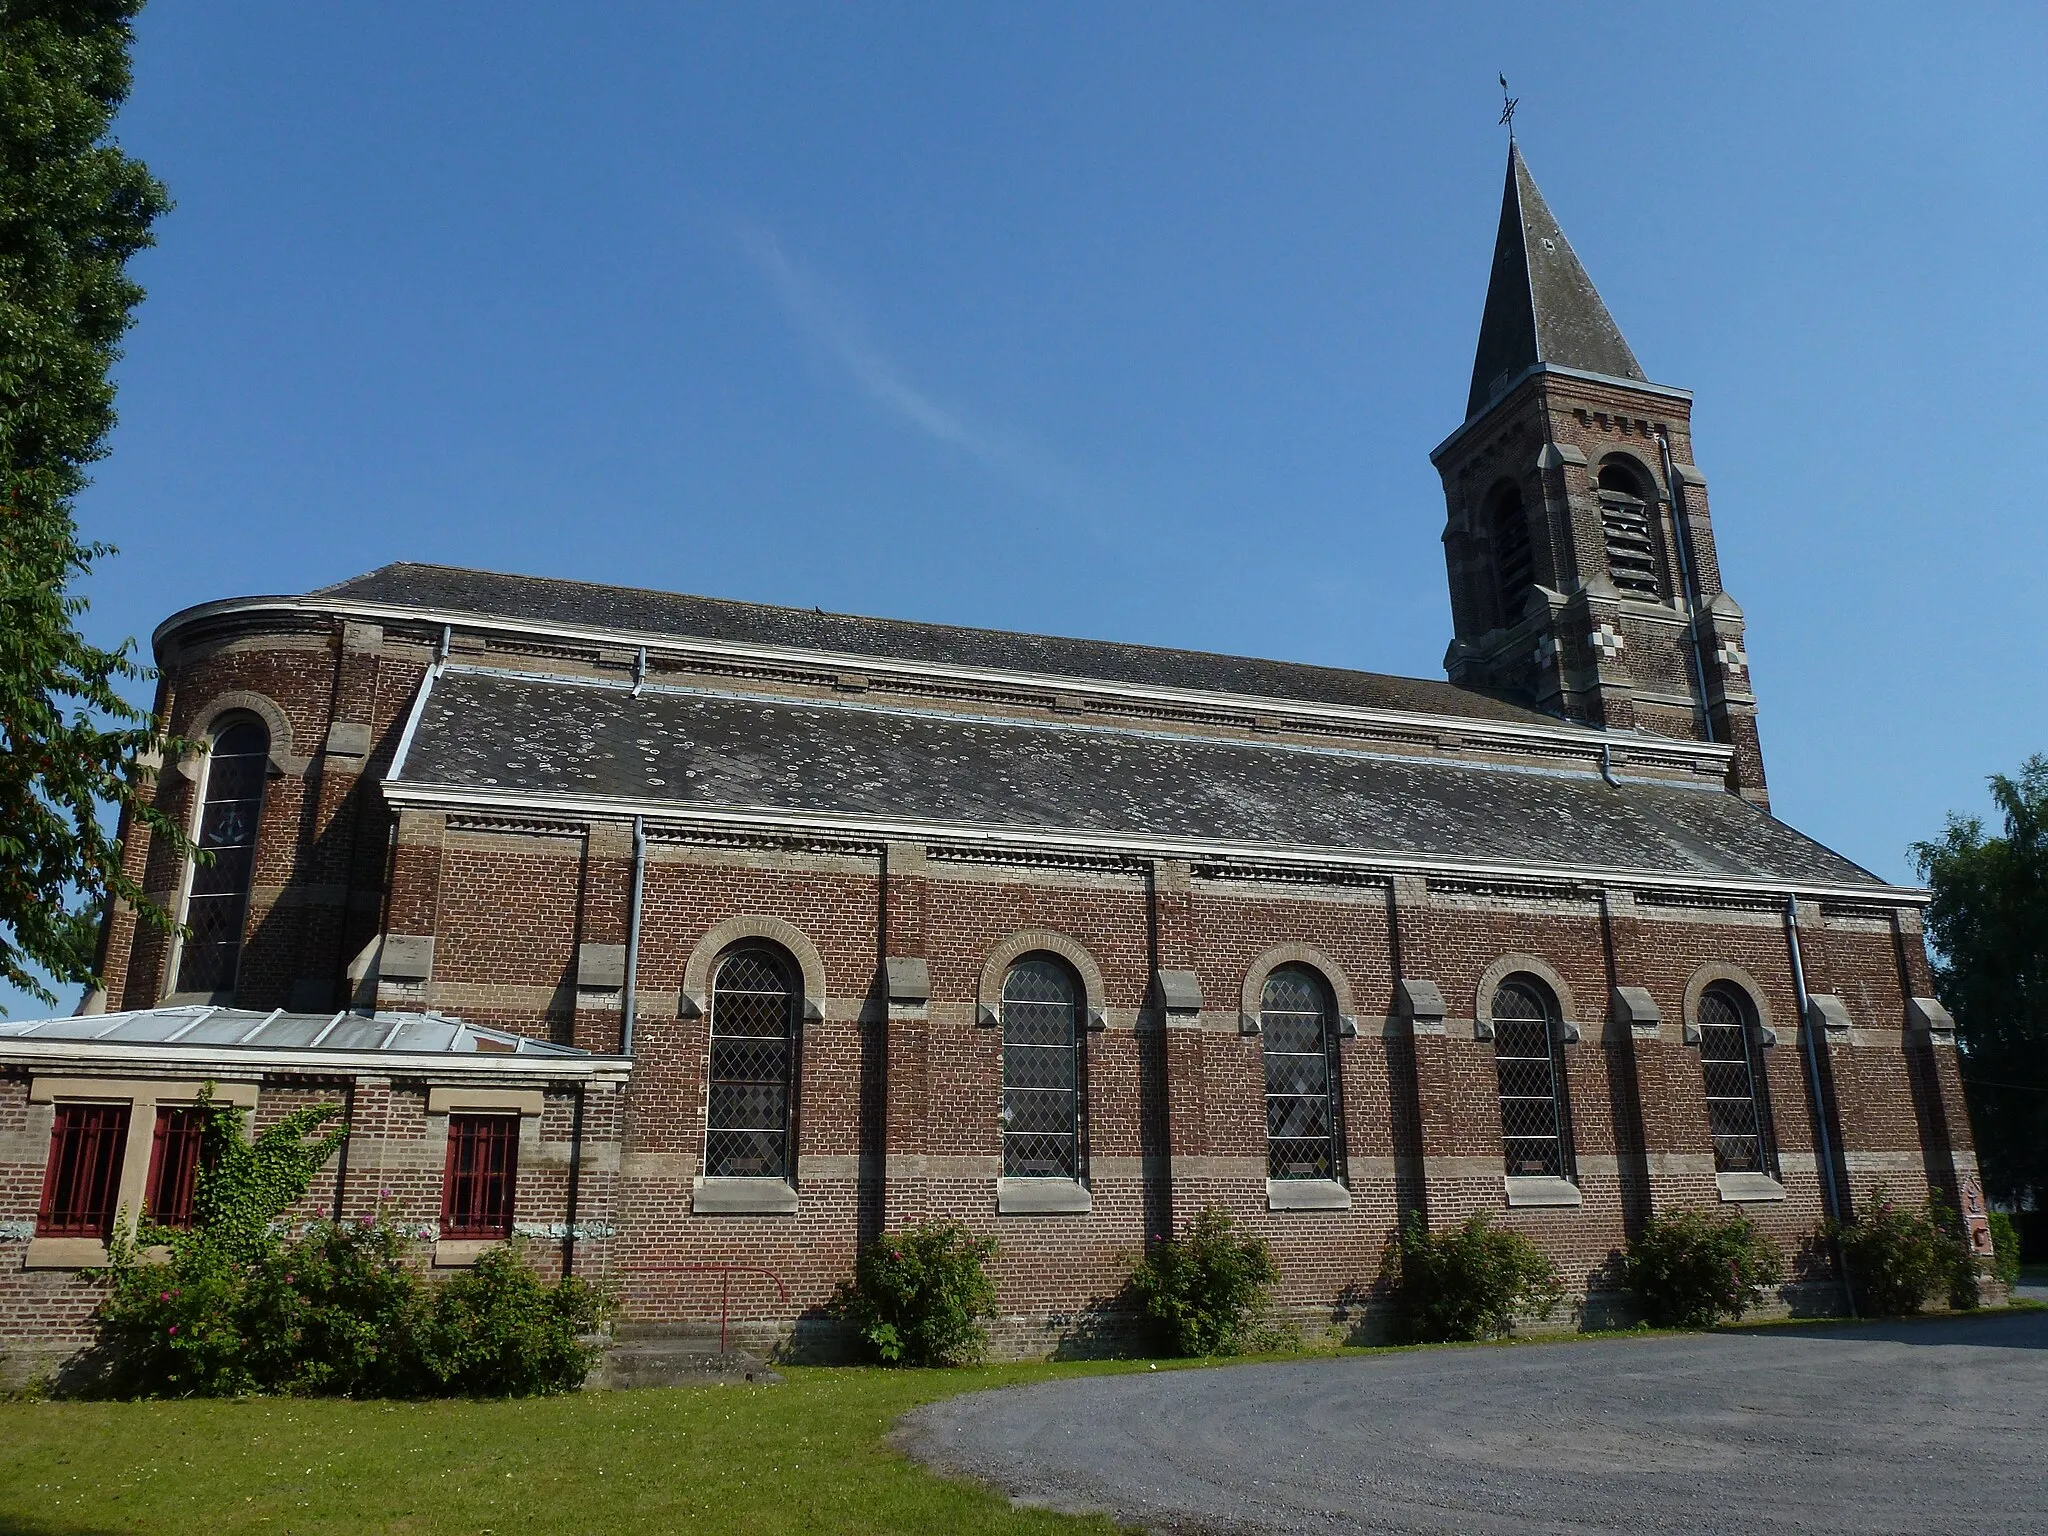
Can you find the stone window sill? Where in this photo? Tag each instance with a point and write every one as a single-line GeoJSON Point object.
{"type": "Point", "coordinates": [462, 1252]}
{"type": "Point", "coordinates": [1306, 1195]}
{"type": "Point", "coordinates": [1042, 1197]}
{"type": "Point", "coordinates": [1524, 1189]}
{"type": "Point", "coordinates": [1737, 1188]}
{"type": "Point", "coordinates": [64, 1253]}
{"type": "Point", "coordinates": [743, 1197]}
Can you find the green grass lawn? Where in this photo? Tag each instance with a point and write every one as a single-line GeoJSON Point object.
{"type": "Point", "coordinates": [807, 1455]}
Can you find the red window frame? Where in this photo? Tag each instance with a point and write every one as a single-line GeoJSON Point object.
{"type": "Point", "coordinates": [174, 1165]}
{"type": "Point", "coordinates": [82, 1180]}
{"type": "Point", "coordinates": [482, 1174]}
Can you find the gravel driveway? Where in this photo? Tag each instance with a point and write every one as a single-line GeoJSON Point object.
{"type": "Point", "coordinates": [1910, 1427]}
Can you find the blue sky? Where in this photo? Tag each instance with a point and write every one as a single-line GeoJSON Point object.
{"type": "Point", "coordinates": [1127, 321]}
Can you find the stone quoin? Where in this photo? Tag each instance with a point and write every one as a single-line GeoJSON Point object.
{"type": "Point", "coordinates": [699, 942]}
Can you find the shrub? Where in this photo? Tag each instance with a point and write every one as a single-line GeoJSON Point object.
{"type": "Point", "coordinates": [235, 1307]}
{"type": "Point", "coordinates": [919, 1296]}
{"type": "Point", "coordinates": [1470, 1282]}
{"type": "Point", "coordinates": [2005, 1248]}
{"type": "Point", "coordinates": [1206, 1290]}
{"type": "Point", "coordinates": [1895, 1254]}
{"type": "Point", "coordinates": [1692, 1270]}
{"type": "Point", "coordinates": [501, 1331]}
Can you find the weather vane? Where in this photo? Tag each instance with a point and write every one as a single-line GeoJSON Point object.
{"type": "Point", "coordinates": [1507, 111]}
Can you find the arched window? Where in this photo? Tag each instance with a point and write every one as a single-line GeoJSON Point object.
{"type": "Point", "coordinates": [753, 1042]}
{"type": "Point", "coordinates": [1626, 525]}
{"type": "Point", "coordinates": [1738, 1099]}
{"type": "Point", "coordinates": [217, 901]}
{"type": "Point", "coordinates": [1528, 1056]}
{"type": "Point", "coordinates": [1041, 1071]}
{"type": "Point", "coordinates": [1514, 561]}
{"type": "Point", "coordinates": [1301, 1078]}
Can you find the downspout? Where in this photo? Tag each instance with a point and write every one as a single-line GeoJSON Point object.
{"type": "Point", "coordinates": [575, 1187]}
{"type": "Point", "coordinates": [633, 936]}
{"type": "Point", "coordinates": [1681, 529]}
{"type": "Point", "coordinates": [1829, 1192]}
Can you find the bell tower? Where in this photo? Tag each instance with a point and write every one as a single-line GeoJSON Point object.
{"type": "Point", "coordinates": [1579, 545]}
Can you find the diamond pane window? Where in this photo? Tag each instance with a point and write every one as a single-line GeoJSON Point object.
{"type": "Point", "coordinates": [753, 1032]}
{"type": "Point", "coordinates": [483, 1165]}
{"type": "Point", "coordinates": [1535, 1122]}
{"type": "Point", "coordinates": [174, 1166]}
{"type": "Point", "coordinates": [1301, 1102]}
{"type": "Point", "coordinates": [1738, 1107]}
{"type": "Point", "coordinates": [230, 808]}
{"type": "Point", "coordinates": [82, 1181]}
{"type": "Point", "coordinates": [1041, 1071]}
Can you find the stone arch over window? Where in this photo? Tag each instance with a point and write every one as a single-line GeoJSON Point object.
{"type": "Point", "coordinates": [227, 817]}
{"type": "Point", "coordinates": [1015, 946]}
{"type": "Point", "coordinates": [1298, 1045]}
{"type": "Point", "coordinates": [1628, 527]}
{"type": "Point", "coordinates": [1043, 1019]}
{"type": "Point", "coordinates": [697, 972]}
{"type": "Point", "coordinates": [1512, 549]}
{"type": "Point", "coordinates": [756, 1019]}
{"type": "Point", "coordinates": [1733, 975]}
{"type": "Point", "coordinates": [1533, 965]}
{"type": "Point", "coordinates": [1251, 1000]}
{"type": "Point", "coordinates": [223, 708]}
{"type": "Point", "coordinates": [1535, 1101]}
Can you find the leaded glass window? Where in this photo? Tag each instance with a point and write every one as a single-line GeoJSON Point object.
{"type": "Point", "coordinates": [753, 1037]}
{"type": "Point", "coordinates": [1301, 1077]}
{"type": "Point", "coordinates": [231, 806]}
{"type": "Point", "coordinates": [1535, 1124]}
{"type": "Point", "coordinates": [1041, 1071]}
{"type": "Point", "coordinates": [1738, 1110]}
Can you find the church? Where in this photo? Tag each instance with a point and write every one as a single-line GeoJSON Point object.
{"type": "Point", "coordinates": [697, 942]}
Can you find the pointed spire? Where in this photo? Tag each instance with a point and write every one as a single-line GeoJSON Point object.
{"type": "Point", "coordinates": [1540, 305]}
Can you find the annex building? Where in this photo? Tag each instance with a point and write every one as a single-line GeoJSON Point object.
{"type": "Point", "coordinates": [699, 941]}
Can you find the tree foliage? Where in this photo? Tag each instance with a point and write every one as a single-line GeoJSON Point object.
{"type": "Point", "coordinates": [73, 209]}
{"type": "Point", "coordinates": [1988, 922]}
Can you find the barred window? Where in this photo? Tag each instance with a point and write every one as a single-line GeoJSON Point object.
{"type": "Point", "coordinates": [753, 1032]}
{"type": "Point", "coordinates": [1535, 1118]}
{"type": "Point", "coordinates": [1514, 561]}
{"type": "Point", "coordinates": [1625, 523]}
{"type": "Point", "coordinates": [1738, 1103]}
{"type": "Point", "coordinates": [1301, 1101]}
{"type": "Point", "coordinates": [231, 806]}
{"type": "Point", "coordinates": [483, 1166]}
{"type": "Point", "coordinates": [82, 1181]}
{"type": "Point", "coordinates": [174, 1166]}
{"type": "Point", "coordinates": [1041, 1071]}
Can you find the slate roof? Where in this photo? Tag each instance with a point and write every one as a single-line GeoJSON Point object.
{"type": "Point", "coordinates": [1540, 305]}
{"type": "Point", "coordinates": [543, 600]}
{"type": "Point", "coordinates": [505, 733]}
{"type": "Point", "coordinates": [232, 1029]}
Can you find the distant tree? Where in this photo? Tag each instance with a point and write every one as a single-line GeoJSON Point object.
{"type": "Point", "coordinates": [73, 209]}
{"type": "Point", "coordinates": [1988, 921]}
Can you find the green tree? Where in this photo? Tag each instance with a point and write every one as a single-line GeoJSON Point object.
{"type": "Point", "coordinates": [73, 209]}
{"type": "Point", "coordinates": [1988, 921]}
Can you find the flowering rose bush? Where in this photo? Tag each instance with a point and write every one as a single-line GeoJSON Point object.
{"type": "Point", "coordinates": [1692, 1270]}
{"type": "Point", "coordinates": [1896, 1254]}
{"type": "Point", "coordinates": [919, 1296]}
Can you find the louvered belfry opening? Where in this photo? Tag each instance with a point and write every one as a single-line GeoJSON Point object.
{"type": "Point", "coordinates": [1738, 1115]}
{"type": "Point", "coordinates": [1514, 558]}
{"type": "Point", "coordinates": [1041, 1110]}
{"type": "Point", "coordinates": [1301, 1098]}
{"type": "Point", "coordinates": [1529, 1066]}
{"type": "Point", "coordinates": [218, 899]}
{"type": "Point", "coordinates": [754, 999]}
{"type": "Point", "coordinates": [1625, 523]}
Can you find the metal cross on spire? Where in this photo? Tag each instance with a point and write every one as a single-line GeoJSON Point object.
{"type": "Point", "coordinates": [1507, 111]}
